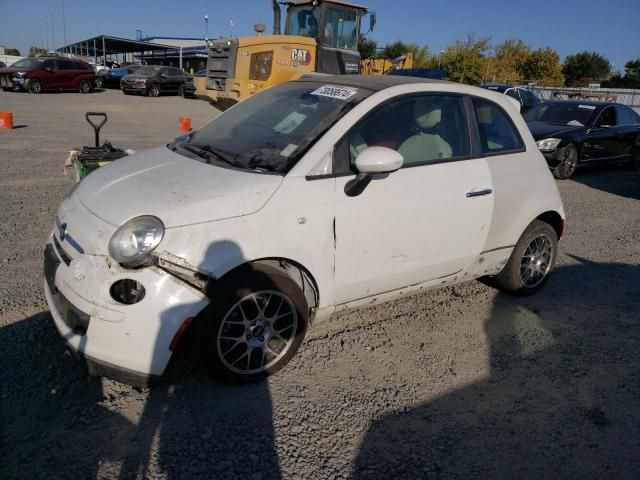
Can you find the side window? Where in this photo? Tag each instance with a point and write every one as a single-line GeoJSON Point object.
{"type": "Point", "coordinates": [529, 99]}
{"type": "Point", "coordinates": [423, 129]}
{"type": "Point", "coordinates": [164, 71]}
{"type": "Point", "coordinates": [497, 132]}
{"type": "Point", "coordinates": [52, 64]}
{"type": "Point", "coordinates": [625, 116]}
{"type": "Point", "coordinates": [65, 65]}
{"type": "Point", "coordinates": [607, 118]}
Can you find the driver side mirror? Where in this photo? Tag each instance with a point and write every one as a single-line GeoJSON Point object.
{"type": "Point", "coordinates": [372, 21]}
{"type": "Point", "coordinates": [163, 75]}
{"type": "Point", "coordinates": [48, 69]}
{"type": "Point", "coordinates": [372, 161]}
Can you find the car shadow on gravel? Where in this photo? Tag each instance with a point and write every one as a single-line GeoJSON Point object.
{"type": "Point", "coordinates": [59, 422]}
{"type": "Point", "coordinates": [618, 180]}
{"type": "Point", "coordinates": [562, 399]}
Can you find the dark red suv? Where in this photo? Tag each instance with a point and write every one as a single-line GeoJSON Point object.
{"type": "Point", "coordinates": [48, 73]}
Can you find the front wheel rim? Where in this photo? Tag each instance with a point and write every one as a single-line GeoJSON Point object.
{"type": "Point", "coordinates": [568, 162]}
{"type": "Point", "coordinates": [155, 91]}
{"type": "Point", "coordinates": [36, 87]}
{"type": "Point", "coordinates": [257, 332]}
{"type": "Point", "coordinates": [536, 261]}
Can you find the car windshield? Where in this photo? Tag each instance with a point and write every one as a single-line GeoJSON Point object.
{"type": "Point", "coordinates": [561, 113]}
{"type": "Point", "coordinates": [270, 131]}
{"type": "Point", "coordinates": [29, 63]}
{"type": "Point", "coordinates": [147, 71]}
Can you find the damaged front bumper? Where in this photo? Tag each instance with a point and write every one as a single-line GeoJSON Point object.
{"type": "Point", "coordinates": [128, 342]}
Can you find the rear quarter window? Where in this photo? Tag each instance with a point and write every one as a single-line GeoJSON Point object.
{"type": "Point", "coordinates": [497, 132]}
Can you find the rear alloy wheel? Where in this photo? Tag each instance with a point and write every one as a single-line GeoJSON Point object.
{"type": "Point", "coordinates": [85, 86]}
{"type": "Point", "coordinates": [253, 326]}
{"type": "Point", "coordinates": [568, 161]}
{"type": "Point", "coordinates": [35, 86]}
{"type": "Point", "coordinates": [99, 82]}
{"type": "Point", "coordinates": [154, 91]}
{"type": "Point", "coordinates": [531, 261]}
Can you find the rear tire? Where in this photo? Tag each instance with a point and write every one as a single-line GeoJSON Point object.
{"type": "Point", "coordinates": [253, 326]}
{"type": "Point", "coordinates": [99, 82]}
{"type": "Point", "coordinates": [568, 157]}
{"type": "Point", "coordinates": [85, 86]}
{"type": "Point", "coordinates": [531, 261]}
{"type": "Point", "coordinates": [35, 86]}
{"type": "Point", "coordinates": [181, 91]}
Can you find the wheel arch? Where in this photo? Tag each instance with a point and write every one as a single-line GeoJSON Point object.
{"type": "Point", "coordinates": [296, 271]}
{"type": "Point", "coordinates": [554, 219]}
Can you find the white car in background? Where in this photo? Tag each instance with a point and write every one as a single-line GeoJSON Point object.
{"type": "Point", "coordinates": [314, 196]}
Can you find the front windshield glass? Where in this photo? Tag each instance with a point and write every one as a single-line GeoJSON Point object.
{"type": "Point", "coordinates": [270, 131]}
{"type": "Point", "coordinates": [561, 113]}
{"type": "Point", "coordinates": [341, 30]}
{"type": "Point", "coordinates": [146, 71]}
{"type": "Point", "coordinates": [29, 63]}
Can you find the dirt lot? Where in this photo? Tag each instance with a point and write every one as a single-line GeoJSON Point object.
{"type": "Point", "coordinates": [459, 383]}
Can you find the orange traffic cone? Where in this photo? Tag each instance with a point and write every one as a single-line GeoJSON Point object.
{"type": "Point", "coordinates": [6, 120]}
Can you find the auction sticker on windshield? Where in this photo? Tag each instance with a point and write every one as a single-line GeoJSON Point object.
{"type": "Point", "coordinates": [341, 93]}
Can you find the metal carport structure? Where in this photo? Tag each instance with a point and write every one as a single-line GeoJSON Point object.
{"type": "Point", "coordinates": [101, 46]}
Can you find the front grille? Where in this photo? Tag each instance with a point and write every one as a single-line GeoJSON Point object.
{"type": "Point", "coordinates": [221, 64]}
{"type": "Point", "coordinates": [260, 66]}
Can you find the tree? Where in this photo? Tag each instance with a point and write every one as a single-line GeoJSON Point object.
{"type": "Point", "coordinates": [466, 62]}
{"type": "Point", "coordinates": [399, 48]}
{"type": "Point", "coordinates": [585, 67]}
{"type": "Point", "coordinates": [507, 63]}
{"type": "Point", "coordinates": [35, 51]}
{"type": "Point", "coordinates": [367, 47]}
{"type": "Point", "coordinates": [543, 67]}
{"type": "Point", "coordinates": [631, 78]}
{"type": "Point", "coordinates": [12, 51]}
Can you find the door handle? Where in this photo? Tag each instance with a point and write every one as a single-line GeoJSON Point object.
{"type": "Point", "coordinates": [479, 193]}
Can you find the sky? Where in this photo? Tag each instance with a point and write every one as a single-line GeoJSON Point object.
{"type": "Point", "coordinates": [611, 27]}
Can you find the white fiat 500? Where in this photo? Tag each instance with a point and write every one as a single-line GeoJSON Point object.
{"type": "Point", "coordinates": [314, 196]}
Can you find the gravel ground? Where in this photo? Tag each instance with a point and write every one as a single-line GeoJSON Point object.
{"type": "Point", "coordinates": [458, 383]}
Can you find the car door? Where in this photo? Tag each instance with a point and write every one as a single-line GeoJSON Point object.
{"type": "Point", "coordinates": [602, 140]}
{"type": "Point", "coordinates": [50, 75]}
{"type": "Point", "coordinates": [628, 129]}
{"type": "Point", "coordinates": [429, 220]}
{"type": "Point", "coordinates": [164, 79]}
{"type": "Point", "coordinates": [67, 74]}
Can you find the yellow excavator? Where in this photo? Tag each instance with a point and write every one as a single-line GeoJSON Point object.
{"type": "Point", "coordinates": [319, 36]}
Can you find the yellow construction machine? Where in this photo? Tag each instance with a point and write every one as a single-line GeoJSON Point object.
{"type": "Point", "coordinates": [319, 36]}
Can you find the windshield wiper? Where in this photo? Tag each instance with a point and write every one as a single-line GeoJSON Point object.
{"type": "Point", "coordinates": [208, 153]}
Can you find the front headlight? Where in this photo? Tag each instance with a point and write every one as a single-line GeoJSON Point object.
{"type": "Point", "coordinates": [135, 240]}
{"type": "Point", "coordinates": [548, 144]}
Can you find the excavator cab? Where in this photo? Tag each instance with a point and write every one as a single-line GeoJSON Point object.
{"type": "Point", "coordinates": [335, 25]}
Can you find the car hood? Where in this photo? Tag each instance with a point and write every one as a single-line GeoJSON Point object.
{"type": "Point", "coordinates": [176, 189]}
{"type": "Point", "coordinates": [541, 130]}
{"type": "Point", "coordinates": [14, 70]}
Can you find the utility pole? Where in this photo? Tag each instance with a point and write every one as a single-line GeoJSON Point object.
{"type": "Point", "coordinates": [64, 25]}
{"type": "Point", "coordinates": [46, 34]}
{"type": "Point", "coordinates": [53, 35]}
{"type": "Point", "coordinates": [206, 28]}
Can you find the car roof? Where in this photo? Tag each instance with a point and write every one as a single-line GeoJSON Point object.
{"type": "Point", "coordinates": [370, 82]}
{"type": "Point", "coordinates": [591, 103]}
{"type": "Point", "coordinates": [496, 86]}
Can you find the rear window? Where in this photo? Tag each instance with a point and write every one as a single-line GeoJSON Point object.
{"type": "Point", "coordinates": [497, 132]}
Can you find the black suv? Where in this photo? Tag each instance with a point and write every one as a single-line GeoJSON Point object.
{"type": "Point", "coordinates": [155, 80]}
